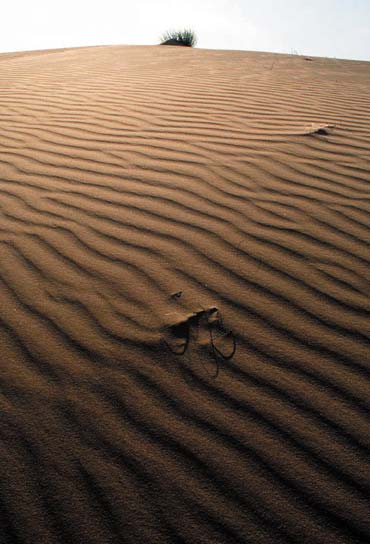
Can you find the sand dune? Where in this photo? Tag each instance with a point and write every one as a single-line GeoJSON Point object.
{"type": "Point", "coordinates": [184, 297]}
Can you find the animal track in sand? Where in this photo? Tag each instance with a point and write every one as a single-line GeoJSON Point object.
{"type": "Point", "coordinates": [206, 328]}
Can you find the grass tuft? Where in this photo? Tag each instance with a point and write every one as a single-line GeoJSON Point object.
{"type": "Point", "coordinates": [184, 37]}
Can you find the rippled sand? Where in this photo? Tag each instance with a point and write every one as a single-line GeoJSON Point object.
{"type": "Point", "coordinates": [184, 297]}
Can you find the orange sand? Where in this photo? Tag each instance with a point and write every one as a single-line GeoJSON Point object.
{"type": "Point", "coordinates": [161, 208]}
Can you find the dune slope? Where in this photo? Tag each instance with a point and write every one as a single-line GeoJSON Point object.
{"type": "Point", "coordinates": [184, 297]}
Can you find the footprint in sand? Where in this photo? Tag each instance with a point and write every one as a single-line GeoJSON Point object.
{"type": "Point", "coordinates": [177, 336]}
{"type": "Point", "coordinates": [221, 340]}
{"type": "Point", "coordinates": [205, 327]}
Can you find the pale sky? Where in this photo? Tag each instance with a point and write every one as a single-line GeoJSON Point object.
{"type": "Point", "coordinates": [327, 28]}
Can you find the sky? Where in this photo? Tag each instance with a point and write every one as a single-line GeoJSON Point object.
{"type": "Point", "coordinates": [326, 28]}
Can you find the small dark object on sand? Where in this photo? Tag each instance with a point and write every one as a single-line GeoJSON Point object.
{"type": "Point", "coordinates": [177, 294]}
{"type": "Point", "coordinates": [322, 131]}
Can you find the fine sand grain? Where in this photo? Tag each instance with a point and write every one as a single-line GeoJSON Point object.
{"type": "Point", "coordinates": [184, 297]}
